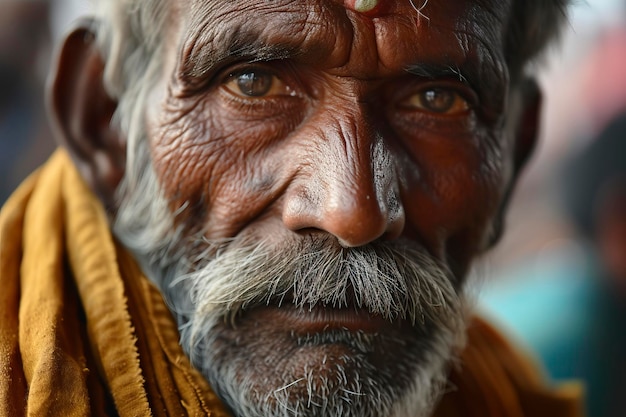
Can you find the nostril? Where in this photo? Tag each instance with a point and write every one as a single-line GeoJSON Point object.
{"type": "Point", "coordinates": [395, 225]}
{"type": "Point", "coordinates": [300, 211]}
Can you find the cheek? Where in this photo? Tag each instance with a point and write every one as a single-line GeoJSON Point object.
{"type": "Point", "coordinates": [453, 186]}
{"type": "Point", "coordinates": [221, 170]}
{"type": "Point", "coordinates": [186, 153]}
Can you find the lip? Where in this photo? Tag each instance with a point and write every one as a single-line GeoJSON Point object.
{"type": "Point", "coordinates": [320, 319]}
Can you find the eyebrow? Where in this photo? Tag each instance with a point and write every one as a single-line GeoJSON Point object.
{"type": "Point", "coordinates": [436, 71]}
{"type": "Point", "coordinates": [201, 56]}
{"type": "Point", "coordinates": [211, 49]}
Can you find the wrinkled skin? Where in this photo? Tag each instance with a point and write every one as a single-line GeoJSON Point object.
{"type": "Point", "coordinates": [338, 149]}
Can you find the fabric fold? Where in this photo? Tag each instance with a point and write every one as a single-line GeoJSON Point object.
{"type": "Point", "coordinates": [79, 334]}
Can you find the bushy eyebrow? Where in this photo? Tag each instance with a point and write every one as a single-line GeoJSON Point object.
{"type": "Point", "coordinates": [202, 56]}
{"type": "Point", "coordinates": [431, 71]}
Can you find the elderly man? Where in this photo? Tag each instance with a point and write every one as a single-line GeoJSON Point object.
{"type": "Point", "coordinates": [304, 183]}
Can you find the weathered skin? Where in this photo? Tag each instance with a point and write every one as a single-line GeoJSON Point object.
{"type": "Point", "coordinates": [336, 146]}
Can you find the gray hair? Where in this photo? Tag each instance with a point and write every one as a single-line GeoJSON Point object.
{"type": "Point", "coordinates": [128, 33]}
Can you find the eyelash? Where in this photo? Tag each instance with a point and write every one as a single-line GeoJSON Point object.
{"type": "Point", "coordinates": [463, 91]}
{"type": "Point", "coordinates": [235, 69]}
{"type": "Point", "coordinates": [265, 108]}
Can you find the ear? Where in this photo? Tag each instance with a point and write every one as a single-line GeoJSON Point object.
{"type": "Point", "coordinates": [81, 112]}
{"type": "Point", "coordinates": [526, 113]}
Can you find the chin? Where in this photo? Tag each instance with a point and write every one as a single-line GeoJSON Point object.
{"type": "Point", "coordinates": [277, 361]}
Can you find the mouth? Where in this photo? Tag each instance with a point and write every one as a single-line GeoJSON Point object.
{"type": "Point", "coordinates": [302, 321]}
{"type": "Point", "coordinates": [320, 333]}
{"type": "Point", "coordinates": [286, 313]}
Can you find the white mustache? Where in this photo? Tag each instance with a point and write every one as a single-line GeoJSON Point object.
{"type": "Point", "coordinates": [396, 280]}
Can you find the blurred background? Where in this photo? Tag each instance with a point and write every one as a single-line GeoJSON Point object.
{"type": "Point", "coordinates": [29, 29]}
{"type": "Point", "coordinates": [557, 281]}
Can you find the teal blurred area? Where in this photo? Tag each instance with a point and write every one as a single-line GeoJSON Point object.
{"type": "Point", "coordinates": [560, 309]}
{"type": "Point", "coordinates": [548, 284]}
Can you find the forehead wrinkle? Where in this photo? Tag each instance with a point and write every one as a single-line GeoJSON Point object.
{"type": "Point", "coordinates": [270, 31]}
{"type": "Point", "coordinates": [476, 27]}
{"type": "Point", "coordinates": [485, 65]}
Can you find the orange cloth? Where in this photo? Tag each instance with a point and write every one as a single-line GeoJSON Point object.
{"type": "Point", "coordinates": [494, 380]}
{"type": "Point", "coordinates": [82, 332]}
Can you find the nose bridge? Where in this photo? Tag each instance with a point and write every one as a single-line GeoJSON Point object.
{"type": "Point", "coordinates": [351, 190]}
{"type": "Point", "coordinates": [349, 171]}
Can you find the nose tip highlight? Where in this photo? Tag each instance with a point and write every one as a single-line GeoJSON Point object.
{"type": "Point", "coordinates": [354, 219]}
{"type": "Point", "coordinates": [368, 233]}
{"type": "Point", "coordinates": [355, 223]}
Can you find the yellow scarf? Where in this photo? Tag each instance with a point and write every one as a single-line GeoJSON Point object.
{"type": "Point", "coordinates": [82, 332]}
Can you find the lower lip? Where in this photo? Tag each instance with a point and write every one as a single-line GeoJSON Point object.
{"type": "Point", "coordinates": [319, 319]}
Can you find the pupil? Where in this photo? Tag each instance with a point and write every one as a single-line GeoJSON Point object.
{"type": "Point", "coordinates": [254, 83]}
{"type": "Point", "coordinates": [438, 101]}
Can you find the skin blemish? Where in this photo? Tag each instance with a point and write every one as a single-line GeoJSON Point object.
{"type": "Point", "coordinates": [365, 5]}
{"type": "Point", "coordinates": [368, 7]}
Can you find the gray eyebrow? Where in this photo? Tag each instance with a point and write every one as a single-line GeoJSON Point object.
{"type": "Point", "coordinates": [467, 75]}
{"type": "Point", "coordinates": [203, 55]}
{"type": "Point", "coordinates": [435, 71]}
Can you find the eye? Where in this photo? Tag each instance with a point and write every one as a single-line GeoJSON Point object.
{"type": "Point", "coordinates": [256, 83]}
{"type": "Point", "coordinates": [437, 100]}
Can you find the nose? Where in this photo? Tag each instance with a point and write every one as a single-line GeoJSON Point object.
{"type": "Point", "coordinates": [346, 187]}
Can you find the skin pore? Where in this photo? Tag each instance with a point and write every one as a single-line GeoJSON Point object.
{"type": "Point", "coordinates": [328, 176]}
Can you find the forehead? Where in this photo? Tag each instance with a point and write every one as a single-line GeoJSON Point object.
{"type": "Point", "coordinates": [326, 33]}
{"type": "Point", "coordinates": [290, 15]}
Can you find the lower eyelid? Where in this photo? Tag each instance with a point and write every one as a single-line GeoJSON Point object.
{"type": "Point", "coordinates": [264, 105]}
{"type": "Point", "coordinates": [415, 123]}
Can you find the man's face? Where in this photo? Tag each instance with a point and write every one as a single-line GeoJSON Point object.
{"type": "Point", "coordinates": [332, 175]}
